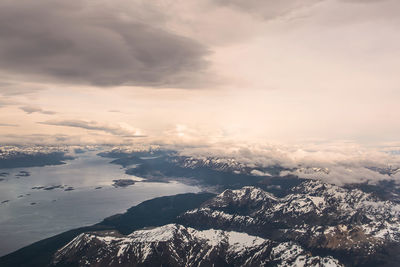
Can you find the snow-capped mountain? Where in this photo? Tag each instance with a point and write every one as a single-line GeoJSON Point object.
{"type": "Point", "coordinates": [315, 214]}
{"type": "Point", "coordinates": [311, 170]}
{"type": "Point", "coordinates": [14, 151]}
{"type": "Point", "coordinates": [389, 170]}
{"type": "Point", "coordinates": [317, 224]}
{"type": "Point", "coordinates": [176, 245]}
{"type": "Point", "coordinates": [228, 165]}
{"type": "Point", "coordinates": [219, 164]}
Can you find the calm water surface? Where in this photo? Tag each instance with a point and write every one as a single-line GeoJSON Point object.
{"type": "Point", "coordinates": [34, 214]}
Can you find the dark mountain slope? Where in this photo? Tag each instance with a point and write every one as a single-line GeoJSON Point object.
{"type": "Point", "coordinates": [154, 212]}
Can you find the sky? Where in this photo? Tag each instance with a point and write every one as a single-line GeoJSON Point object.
{"type": "Point", "coordinates": [193, 72]}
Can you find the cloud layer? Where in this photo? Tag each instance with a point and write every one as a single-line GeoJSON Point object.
{"type": "Point", "coordinates": [8, 125]}
{"type": "Point", "coordinates": [289, 70]}
{"type": "Point", "coordinates": [102, 43]}
{"type": "Point", "coordinates": [338, 163]}
{"type": "Point", "coordinates": [34, 109]}
{"type": "Point", "coordinates": [267, 9]}
{"type": "Point", "coordinates": [95, 126]}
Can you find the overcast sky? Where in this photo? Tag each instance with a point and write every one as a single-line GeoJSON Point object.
{"type": "Point", "coordinates": [182, 71]}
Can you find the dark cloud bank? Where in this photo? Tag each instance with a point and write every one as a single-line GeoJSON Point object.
{"type": "Point", "coordinates": [89, 42]}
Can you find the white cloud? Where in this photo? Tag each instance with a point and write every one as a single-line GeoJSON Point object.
{"type": "Point", "coordinates": [338, 163]}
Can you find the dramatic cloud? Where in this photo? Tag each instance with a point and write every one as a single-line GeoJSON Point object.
{"type": "Point", "coordinates": [287, 71]}
{"type": "Point", "coordinates": [120, 130]}
{"type": "Point", "coordinates": [102, 43]}
{"type": "Point", "coordinates": [34, 109]}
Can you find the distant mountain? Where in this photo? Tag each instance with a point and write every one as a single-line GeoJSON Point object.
{"type": "Point", "coordinates": [34, 160]}
{"type": "Point", "coordinates": [210, 172]}
{"type": "Point", "coordinates": [32, 156]}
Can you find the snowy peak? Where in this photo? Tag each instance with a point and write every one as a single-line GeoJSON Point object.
{"type": "Point", "coordinates": [245, 196]}
{"type": "Point", "coordinates": [158, 234]}
{"type": "Point", "coordinates": [224, 164]}
{"type": "Point", "coordinates": [315, 214]}
{"type": "Point", "coordinates": [251, 227]}
{"type": "Point", "coordinates": [312, 170]}
{"type": "Point", "coordinates": [219, 164]}
{"type": "Point", "coordinates": [176, 245]}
